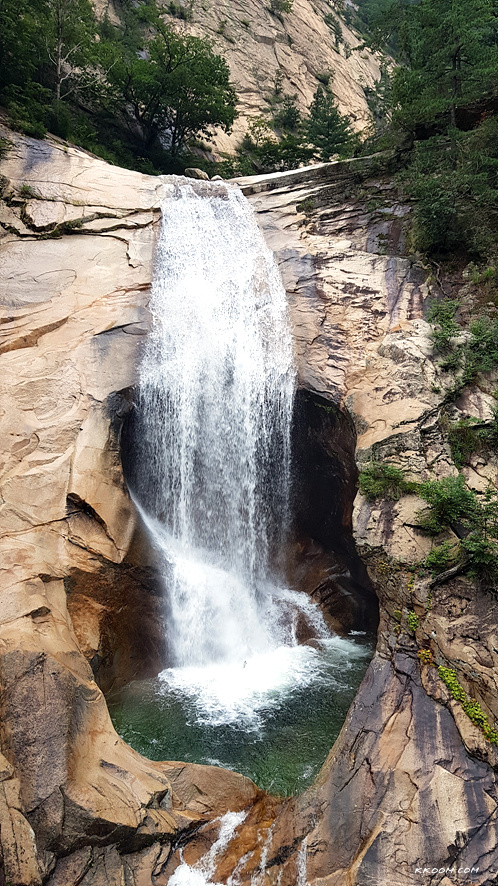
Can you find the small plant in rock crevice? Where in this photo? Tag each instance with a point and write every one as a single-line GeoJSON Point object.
{"type": "Point", "coordinates": [449, 501]}
{"type": "Point", "coordinates": [413, 621]}
{"type": "Point", "coordinates": [471, 707]}
{"type": "Point", "coordinates": [425, 656]}
{"type": "Point", "coordinates": [464, 353]}
{"type": "Point", "coordinates": [27, 192]}
{"type": "Point", "coordinates": [474, 519]}
{"type": "Point", "coordinates": [441, 558]}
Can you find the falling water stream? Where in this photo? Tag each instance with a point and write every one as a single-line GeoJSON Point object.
{"type": "Point", "coordinates": [211, 479]}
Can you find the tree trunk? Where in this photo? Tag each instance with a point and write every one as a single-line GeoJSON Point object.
{"type": "Point", "coordinates": [58, 58]}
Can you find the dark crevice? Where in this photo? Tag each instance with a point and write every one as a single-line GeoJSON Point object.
{"type": "Point", "coordinates": [324, 486]}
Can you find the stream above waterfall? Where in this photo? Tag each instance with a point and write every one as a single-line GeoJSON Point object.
{"type": "Point", "coordinates": [209, 468]}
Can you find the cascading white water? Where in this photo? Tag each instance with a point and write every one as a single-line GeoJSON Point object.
{"type": "Point", "coordinates": [208, 461]}
{"type": "Point", "coordinates": [202, 872]}
{"type": "Point", "coordinates": [216, 400]}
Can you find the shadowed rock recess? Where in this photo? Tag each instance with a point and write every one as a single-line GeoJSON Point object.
{"type": "Point", "coordinates": [408, 793]}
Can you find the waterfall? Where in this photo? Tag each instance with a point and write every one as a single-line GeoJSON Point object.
{"type": "Point", "coordinates": [207, 457]}
{"type": "Point", "coordinates": [202, 872]}
{"type": "Point", "coordinates": [216, 398]}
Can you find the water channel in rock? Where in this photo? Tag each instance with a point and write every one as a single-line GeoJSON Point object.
{"type": "Point", "coordinates": [211, 479]}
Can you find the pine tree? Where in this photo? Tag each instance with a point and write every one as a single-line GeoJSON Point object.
{"type": "Point", "coordinates": [326, 128]}
{"type": "Point", "coordinates": [450, 54]}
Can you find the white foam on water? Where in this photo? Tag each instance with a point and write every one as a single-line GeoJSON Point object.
{"type": "Point", "coordinates": [241, 693]}
{"type": "Point", "coordinates": [245, 693]}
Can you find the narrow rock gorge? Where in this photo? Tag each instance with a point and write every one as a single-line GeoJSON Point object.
{"type": "Point", "coordinates": [408, 793]}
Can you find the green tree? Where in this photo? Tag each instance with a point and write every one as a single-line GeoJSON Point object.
{"type": "Point", "coordinates": [174, 89]}
{"type": "Point", "coordinates": [20, 43]}
{"type": "Point", "coordinates": [270, 154]}
{"type": "Point", "coordinates": [279, 6]}
{"type": "Point", "coordinates": [69, 29]}
{"type": "Point", "coordinates": [450, 54]}
{"type": "Point", "coordinates": [327, 130]}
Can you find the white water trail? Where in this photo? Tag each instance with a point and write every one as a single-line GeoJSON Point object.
{"type": "Point", "coordinates": [302, 863]}
{"type": "Point", "coordinates": [258, 878]}
{"type": "Point", "coordinates": [216, 401]}
{"type": "Point", "coordinates": [200, 873]}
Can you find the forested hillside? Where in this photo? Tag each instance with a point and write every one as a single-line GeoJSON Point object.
{"type": "Point", "coordinates": [439, 103]}
{"type": "Point", "coordinates": [153, 87]}
{"type": "Point", "coordinates": [145, 84]}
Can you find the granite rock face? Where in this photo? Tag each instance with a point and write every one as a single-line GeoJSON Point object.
{"type": "Point", "coordinates": [271, 56]}
{"type": "Point", "coordinates": [410, 784]}
{"type": "Point", "coordinates": [358, 303]}
{"type": "Point", "coordinates": [409, 791]}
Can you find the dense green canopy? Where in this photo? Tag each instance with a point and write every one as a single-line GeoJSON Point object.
{"type": "Point", "coordinates": [141, 88]}
{"type": "Point", "coordinates": [449, 50]}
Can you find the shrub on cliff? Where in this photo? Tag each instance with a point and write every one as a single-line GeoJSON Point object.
{"type": "Point", "coordinates": [450, 502]}
{"type": "Point", "coordinates": [473, 517]}
{"type": "Point", "coordinates": [280, 6]}
{"type": "Point", "coordinates": [384, 481]}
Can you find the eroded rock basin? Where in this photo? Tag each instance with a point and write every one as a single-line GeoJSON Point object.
{"type": "Point", "coordinates": [410, 783]}
{"type": "Point", "coordinates": [273, 718]}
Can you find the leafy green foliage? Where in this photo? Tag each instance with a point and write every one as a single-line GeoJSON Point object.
{"type": "Point", "coordinates": [271, 154]}
{"type": "Point", "coordinates": [475, 518]}
{"type": "Point", "coordinates": [425, 657]}
{"type": "Point", "coordinates": [323, 133]}
{"type": "Point", "coordinates": [444, 326]}
{"type": "Point", "coordinates": [180, 91]}
{"type": "Point", "coordinates": [178, 11]}
{"type": "Point", "coordinates": [280, 6]}
{"type": "Point", "coordinates": [413, 621]}
{"type": "Point", "coordinates": [454, 180]}
{"type": "Point", "coordinates": [471, 707]}
{"type": "Point", "coordinates": [20, 41]}
{"type": "Point", "coordinates": [138, 94]}
{"type": "Point", "coordinates": [469, 435]}
{"type": "Point", "coordinates": [441, 96]}
{"type": "Point", "coordinates": [464, 440]}
{"type": "Point", "coordinates": [481, 554]}
{"type": "Point", "coordinates": [335, 26]}
{"type": "Point", "coordinates": [327, 130]}
{"type": "Point", "coordinates": [465, 355]}
{"type": "Point", "coordinates": [444, 43]}
{"type": "Point", "coordinates": [384, 481]}
{"type": "Point", "coordinates": [450, 502]}
{"type": "Point", "coordinates": [288, 117]}
{"type": "Point", "coordinates": [441, 558]}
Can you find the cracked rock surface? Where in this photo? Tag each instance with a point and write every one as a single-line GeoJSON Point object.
{"type": "Point", "coordinates": [410, 785]}
{"type": "Point", "coordinates": [76, 251]}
